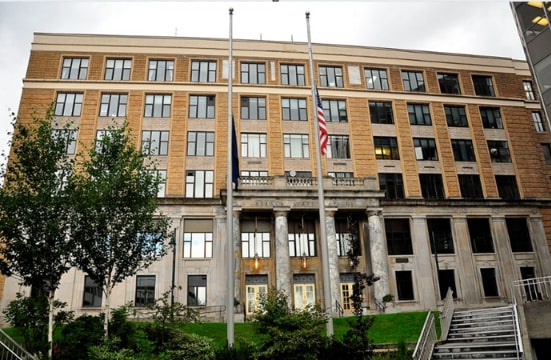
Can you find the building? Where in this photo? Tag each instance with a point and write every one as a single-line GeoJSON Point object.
{"type": "Point", "coordinates": [438, 166]}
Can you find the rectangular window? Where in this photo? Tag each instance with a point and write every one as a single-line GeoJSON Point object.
{"type": "Point", "coordinates": [483, 85]}
{"type": "Point", "coordinates": [519, 234]}
{"type": "Point", "coordinates": [296, 146]}
{"type": "Point", "coordinates": [197, 238]}
{"type": "Point", "coordinates": [491, 118]}
{"type": "Point", "coordinates": [302, 238]}
{"type": "Point", "coordinates": [386, 148]}
{"type": "Point", "coordinates": [529, 90]}
{"type": "Point", "coordinates": [201, 107]}
{"type": "Point", "coordinates": [199, 183]}
{"type": "Point", "coordinates": [432, 186]}
{"type": "Point", "coordinates": [253, 145]}
{"type": "Point", "coordinates": [145, 290]}
{"type": "Point", "coordinates": [346, 233]}
{"type": "Point", "coordinates": [463, 150]}
{"type": "Point", "coordinates": [419, 114]}
{"type": "Point", "coordinates": [338, 147]}
{"type": "Point", "coordinates": [507, 187]}
{"type": "Point", "coordinates": [376, 79]}
{"type": "Point", "coordinates": [255, 238]}
{"type": "Point", "coordinates": [425, 149]}
{"type": "Point", "coordinates": [481, 235]}
{"type": "Point", "coordinates": [546, 149]}
{"type": "Point", "coordinates": [113, 105]}
{"type": "Point", "coordinates": [200, 143]}
{"type": "Point", "coordinates": [381, 112]}
{"type": "Point", "coordinates": [155, 142]}
{"type": "Point", "coordinates": [118, 69]}
{"type": "Point", "coordinates": [203, 71]}
{"type": "Point", "coordinates": [161, 70]}
{"type": "Point", "coordinates": [331, 76]}
{"type": "Point", "coordinates": [197, 290]}
{"type": "Point", "coordinates": [158, 105]}
{"type": "Point", "coordinates": [69, 137]}
{"type": "Point", "coordinates": [100, 135]}
{"type": "Point", "coordinates": [449, 83]}
{"type": "Point", "coordinates": [440, 235]}
{"type": "Point", "coordinates": [392, 185]}
{"type": "Point", "coordinates": [489, 282]}
{"type": "Point", "coordinates": [253, 108]}
{"type": "Point", "coordinates": [92, 293]}
{"type": "Point", "coordinates": [446, 280]}
{"type": "Point", "coordinates": [68, 104]}
{"type": "Point", "coordinates": [253, 73]}
{"type": "Point", "coordinates": [294, 109]}
{"type": "Point", "coordinates": [404, 285]}
{"type": "Point", "coordinates": [340, 174]}
{"type": "Point", "coordinates": [305, 294]}
{"type": "Point", "coordinates": [470, 186]}
{"type": "Point", "coordinates": [346, 292]}
{"type": "Point", "coordinates": [413, 81]}
{"type": "Point", "coordinates": [292, 75]}
{"type": "Point", "coordinates": [456, 116]}
{"type": "Point", "coordinates": [538, 123]}
{"type": "Point", "coordinates": [161, 176]}
{"type": "Point", "coordinates": [335, 110]}
{"type": "Point", "coordinates": [398, 237]}
{"type": "Point", "coordinates": [499, 151]}
{"type": "Point", "coordinates": [254, 293]}
{"type": "Point", "coordinates": [75, 68]}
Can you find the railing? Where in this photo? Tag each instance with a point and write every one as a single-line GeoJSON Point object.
{"type": "Point", "coordinates": [301, 181]}
{"type": "Point", "coordinates": [447, 315]}
{"type": "Point", "coordinates": [339, 308]}
{"type": "Point", "coordinates": [281, 182]}
{"type": "Point", "coordinates": [531, 290]}
{"type": "Point", "coordinates": [11, 350]}
{"type": "Point", "coordinates": [518, 336]}
{"type": "Point", "coordinates": [427, 339]}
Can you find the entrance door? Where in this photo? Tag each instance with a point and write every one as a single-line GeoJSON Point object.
{"type": "Point", "coordinates": [305, 294]}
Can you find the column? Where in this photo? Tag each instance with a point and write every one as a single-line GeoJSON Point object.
{"type": "Point", "coordinates": [539, 241]}
{"type": "Point", "coordinates": [333, 257]}
{"type": "Point", "coordinates": [469, 286]}
{"type": "Point", "coordinates": [506, 262]}
{"type": "Point", "coordinates": [237, 253]}
{"type": "Point", "coordinates": [425, 268]}
{"type": "Point", "coordinates": [283, 262]}
{"type": "Point", "coordinates": [379, 263]}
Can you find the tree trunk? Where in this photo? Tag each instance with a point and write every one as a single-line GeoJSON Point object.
{"type": "Point", "coordinates": [107, 312]}
{"type": "Point", "coordinates": [51, 294]}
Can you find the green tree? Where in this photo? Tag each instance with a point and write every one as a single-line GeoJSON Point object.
{"type": "Point", "coordinates": [118, 227]}
{"type": "Point", "coordinates": [36, 207]}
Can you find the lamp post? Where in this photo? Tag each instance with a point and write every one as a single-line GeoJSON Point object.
{"type": "Point", "coordinates": [173, 244]}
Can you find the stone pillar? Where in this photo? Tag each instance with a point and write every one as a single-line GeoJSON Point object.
{"type": "Point", "coordinates": [539, 242]}
{"type": "Point", "coordinates": [237, 253]}
{"type": "Point", "coordinates": [425, 268]}
{"type": "Point", "coordinates": [283, 262]}
{"type": "Point", "coordinates": [506, 262]}
{"type": "Point", "coordinates": [379, 263]}
{"type": "Point", "coordinates": [469, 285]}
{"type": "Point", "coordinates": [333, 257]}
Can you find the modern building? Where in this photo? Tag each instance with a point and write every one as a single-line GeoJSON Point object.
{"type": "Point", "coordinates": [437, 173]}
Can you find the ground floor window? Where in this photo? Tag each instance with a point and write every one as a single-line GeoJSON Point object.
{"type": "Point", "coordinates": [446, 279]}
{"type": "Point", "coordinates": [92, 293]}
{"type": "Point", "coordinates": [347, 290]}
{"type": "Point", "coordinates": [489, 283]}
{"type": "Point", "coordinates": [197, 290]}
{"type": "Point", "coordinates": [145, 290]}
{"type": "Point", "coordinates": [404, 285]}
{"type": "Point", "coordinates": [304, 290]}
{"type": "Point", "coordinates": [256, 286]}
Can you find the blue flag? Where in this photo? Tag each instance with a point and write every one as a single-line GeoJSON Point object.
{"type": "Point", "coordinates": [235, 156]}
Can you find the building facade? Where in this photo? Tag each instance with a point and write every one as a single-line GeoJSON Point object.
{"type": "Point", "coordinates": [437, 173]}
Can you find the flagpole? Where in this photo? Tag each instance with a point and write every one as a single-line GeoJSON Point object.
{"type": "Point", "coordinates": [323, 230]}
{"type": "Point", "coordinates": [229, 202]}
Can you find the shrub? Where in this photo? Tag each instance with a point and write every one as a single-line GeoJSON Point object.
{"type": "Point", "coordinates": [188, 346]}
{"type": "Point", "coordinates": [78, 337]}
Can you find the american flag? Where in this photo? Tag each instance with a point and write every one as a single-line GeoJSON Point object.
{"type": "Point", "coordinates": [322, 125]}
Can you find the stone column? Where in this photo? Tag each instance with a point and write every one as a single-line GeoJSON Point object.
{"type": "Point", "coordinates": [425, 268]}
{"type": "Point", "coordinates": [237, 253]}
{"type": "Point", "coordinates": [333, 257]}
{"type": "Point", "coordinates": [283, 262]}
{"type": "Point", "coordinates": [469, 286]}
{"type": "Point", "coordinates": [379, 263]}
{"type": "Point", "coordinates": [506, 262]}
{"type": "Point", "coordinates": [539, 241]}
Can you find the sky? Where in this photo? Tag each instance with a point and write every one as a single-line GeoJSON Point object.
{"type": "Point", "coordinates": [465, 27]}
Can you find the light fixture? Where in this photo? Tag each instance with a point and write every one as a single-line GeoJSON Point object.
{"type": "Point", "coordinates": [304, 261]}
{"type": "Point", "coordinates": [303, 245]}
{"type": "Point", "coordinates": [256, 263]}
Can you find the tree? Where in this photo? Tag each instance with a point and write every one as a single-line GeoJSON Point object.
{"type": "Point", "coordinates": [118, 229]}
{"type": "Point", "coordinates": [35, 207]}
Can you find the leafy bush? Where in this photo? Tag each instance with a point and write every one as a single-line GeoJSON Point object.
{"type": "Point", "coordinates": [78, 337]}
{"type": "Point", "coordinates": [188, 346]}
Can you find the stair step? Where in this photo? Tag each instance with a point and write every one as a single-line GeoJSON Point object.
{"type": "Point", "coordinates": [493, 344]}
{"type": "Point", "coordinates": [483, 317]}
{"type": "Point", "coordinates": [481, 330]}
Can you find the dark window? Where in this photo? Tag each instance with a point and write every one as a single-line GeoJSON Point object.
{"type": "Point", "coordinates": [294, 109]}
{"type": "Point", "coordinates": [200, 143]}
{"type": "Point", "coordinates": [392, 185]}
{"type": "Point", "coordinates": [449, 83]}
{"type": "Point", "coordinates": [446, 280]}
{"type": "Point", "coordinates": [292, 75]}
{"type": "Point", "coordinates": [425, 149]}
{"type": "Point", "coordinates": [440, 235]}
{"type": "Point", "coordinates": [68, 104]}
{"type": "Point", "coordinates": [145, 290]}
{"type": "Point", "coordinates": [335, 110]}
{"type": "Point", "coordinates": [113, 105]}
{"type": "Point", "coordinates": [529, 90]}
{"type": "Point", "coordinates": [432, 186]}
{"type": "Point", "coordinates": [404, 285]}
{"type": "Point", "coordinates": [253, 108]}
{"type": "Point", "coordinates": [463, 150]}
{"type": "Point", "coordinates": [92, 293]}
{"type": "Point", "coordinates": [491, 118]}
{"type": "Point", "coordinates": [68, 137]}
{"type": "Point", "coordinates": [499, 151]}
{"type": "Point", "coordinates": [203, 71]}
{"type": "Point", "coordinates": [118, 69]}
{"type": "Point", "coordinates": [201, 107]}
{"type": "Point", "coordinates": [253, 73]}
{"type": "Point", "coordinates": [538, 123]}
{"type": "Point", "coordinates": [386, 148]}
{"type": "Point", "coordinates": [470, 186]}
{"type": "Point", "coordinates": [456, 116]}
{"type": "Point", "coordinates": [161, 70]}
{"type": "Point", "coordinates": [413, 81]}
{"type": "Point", "coordinates": [519, 235]}
{"type": "Point", "coordinates": [347, 230]}
{"type": "Point", "coordinates": [507, 187]}
{"type": "Point", "coordinates": [381, 112]}
{"type": "Point", "coordinates": [419, 114]}
{"type": "Point", "coordinates": [74, 68]}
{"type": "Point", "coordinates": [483, 85]}
{"type": "Point", "coordinates": [155, 142]}
{"type": "Point", "coordinates": [376, 79]}
{"type": "Point", "coordinates": [489, 282]}
{"type": "Point", "coordinates": [546, 149]}
{"type": "Point", "coordinates": [331, 76]}
{"type": "Point", "coordinates": [398, 237]}
{"type": "Point", "coordinates": [158, 105]}
{"type": "Point", "coordinates": [338, 147]}
{"type": "Point", "coordinates": [196, 290]}
{"type": "Point", "coordinates": [481, 235]}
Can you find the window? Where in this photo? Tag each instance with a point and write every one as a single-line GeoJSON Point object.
{"type": "Point", "coordinates": [113, 105]}
{"type": "Point", "coordinates": [68, 104]}
{"type": "Point", "coordinates": [346, 233]}
{"type": "Point", "coordinates": [499, 151]}
{"type": "Point", "coordinates": [256, 286]}
{"type": "Point", "coordinates": [335, 110]}
{"type": "Point", "coordinates": [161, 176]}
{"type": "Point", "coordinates": [255, 238]}
{"type": "Point", "coordinates": [519, 234]}
{"type": "Point", "coordinates": [463, 150]}
{"type": "Point", "coordinates": [155, 142]}
{"type": "Point", "coordinates": [398, 237]}
{"type": "Point", "coordinates": [294, 109]}
{"type": "Point", "coordinates": [491, 118]}
{"type": "Point", "coordinates": [145, 290]}
{"type": "Point", "coordinates": [425, 149]}
{"type": "Point", "coordinates": [74, 68]}
{"type": "Point", "coordinates": [331, 76]}
{"type": "Point", "coordinates": [440, 235]}
{"type": "Point", "coordinates": [347, 290]}
{"type": "Point", "coordinates": [200, 143]}
{"type": "Point", "coordinates": [489, 282]}
{"type": "Point", "coordinates": [381, 112]}
{"type": "Point", "coordinates": [507, 187]}
{"type": "Point", "coordinates": [197, 290]}
{"type": "Point", "coordinates": [253, 73]}
{"type": "Point", "coordinates": [483, 85]}
{"type": "Point", "coordinates": [446, 280]}
{"type": "Point", "coordinates": [304, 291]}
{"type": "Point", "coordinates": [292, 75]}
{"type": "Point", "coordinates": [340, 174]}
{"type": "Point", "coordinates": [253, 108]}
{"type": "Point", "coordinates": [161, 70]}
{"type": "Point", "coordinates": [481, 236]}
{"type": "Point", "coordinates": [456, 116]}
{"type": "Point", "coordinates": [117, 69]}
{"type": "Point", "coordinates": [404, 285]}
{"type": "Point", "coordinates": [449, 83]}
{"type": "Point", "coordinates": [538, 123]}
{"type": "Point", "coordinates": [413, 81]}
{"type": "Point", "coordinates": [529, 90]}
{"type": "Point", "coordinates": [302, 238]}
{"type": "Point", "coordinates": [203, 71]}
{"type": "Point", "coordinates": [419, 114]}
{"type": "Point", "coordinates": [253, 145]}
{"type": "Point", "coordinates": [201, 107]}
{"type": "Point", "coordinates": [199, 183]}
{"type": "Point", "coordinates": [69, 137]}
{"type": "Point", "coordinates": [295, 146]}
{"type": "Point", "coordinates": [431, 186]}
{"type": "Point", "coordinates": [197, 238]}
{"type": "Point", "coordinates": [100, 135]}
{"type": "Point", "coordinates": [92, 293]}
{"type": "Point", "coordinates": [338, 147]}
{"type": "Point", "coordinates": [470, 186]}
{"type": "Point", "coordinates": [392, 185]}
{"type": "Point", "coordinates": [386, 148]}
{"type": "Point", "coordinates": [157, 105]}
{"type": "Point", "coordinates": [546, 149]}
{"type": "Point", "coordinates": [376, 79]}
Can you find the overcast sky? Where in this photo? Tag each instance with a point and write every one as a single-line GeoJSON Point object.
{"type": "Point", "coordinates": [468, 27]}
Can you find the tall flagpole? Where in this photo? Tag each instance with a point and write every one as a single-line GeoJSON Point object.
{"type": "Point", "coordinates": [323, 230]}
{"type": "Point", "coordinates": [229, 202]}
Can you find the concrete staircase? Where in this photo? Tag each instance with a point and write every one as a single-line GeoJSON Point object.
{"type": "Point", "coordinates": [480, 334]}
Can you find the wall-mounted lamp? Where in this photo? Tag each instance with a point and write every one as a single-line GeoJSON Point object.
{"type": "Point", "coordinates": [256, 262]}
{"type": "Point", "coordinates": [304, 261]}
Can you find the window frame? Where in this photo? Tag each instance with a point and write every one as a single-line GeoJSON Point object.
{"type": "Point", "coordinates": [389, 143]}
{"type": "Point", "coordinates": [335, 110]}
{"type": "Point", "coordinates": [518, 232]}
{"type": "Point", "coordinates": [338, 147]}
{"type": "Point", "coordinates": [432, 186]}
{"type": "Point", "coordinates": [162, 137]}
{"type": "Point", "coordinates": [199, 184]}
{"type": "Point", "coordinates": [95, 290]}
{"type": "Point", "coordinates": [507, 187]}
{"type": "Point", "coordinates": [483, 89]}
{"type": "Point", "coordinates": [376, 79]}
{"type": "Point", "coordinates": [200, 143]}
{"type": "Point", "coordinates": [381, 112]}
{"type": "Point", "coordinates": [528, 90]}
{"type": "Point", "coordinates": [463, 150]}
{"type": "Point", "coordinates": [404, 285]}
{"type": "Point", "coordinates": [413, 80]}
{"type": "Point", "coordinates": [398, 236]}
{"type": "Point", "coordinates": [538, 121]}
{"type": "Point", "coordinates": [480, 235]}
{"type": "Point", "coordinates": [440, 236]}
{"type": "Point", "coordinates": [199, 74]}
{"type": "Point", "coordinates": [292, 78]}
{"type": "Point", "coordinates": [258, 69]}
{"type": "Point", "coordinates": [294, 109]}
{"type": "Point", "coordinates": [160, 70]}
{"type": "Point", "coordinates": [331, 74]}
{"type": "Point", "coordinates": [254, 145]}
{"type": "Point", "coordinates": [419, 114]}
{"type": "Point", "coordinates": [70, 108]}
{"type": "Point", "coordinates": [253, 108]}
{"type": "Point", "coordinates": [69, 136]}
{"type": "Point", "coordinates": [428, 149]}
{"type": "Point", "coordinates": [293, 150]}
{"type": "Point", "coordinates": [491, 117]}
{"type": "Point", "coordinates": [112, 72]}
{"type": "Point", "coordinates": [202, 107]}
{"type": "Point", "coordinates": [499, 151]}
{"type": "Point", "coordinates": [197, 288]}
{"type": "Point", "coordinates": [111, 100]}
{"type": "Point", "coordinates": [456, 116]}
{"type": "Point", "coordinates": [448, 83]}
{"type": "Point", "coordinates": [74, 68]}
{"type": "Point", "coordinates": [157, 104]}
{"type": "Point", "coordinates": [393, 185]}
{"type": "Point", "coordinates": [470, 188]}
{"type": "Point", "coordinates": [148, 291]}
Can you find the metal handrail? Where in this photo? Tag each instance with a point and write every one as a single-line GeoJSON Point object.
{"type": "Point", "coordinates": [11, 350]}
{"type": "Point", "coordinates": [447, 315]}
{"type": "Point", "coordinates": [427, 339]}
{"type": "Point", "coordinates": [518, 337]}
{"type": "Point", "coordinates": [339, 308]}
